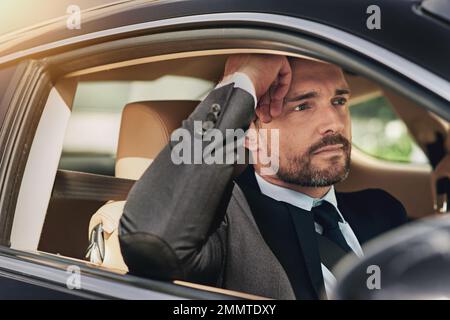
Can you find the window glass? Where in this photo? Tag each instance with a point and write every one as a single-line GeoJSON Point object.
{"type": "Point", "coordinates": [379, 132]}
{"type": "Point", "coordinates": [91, 137]}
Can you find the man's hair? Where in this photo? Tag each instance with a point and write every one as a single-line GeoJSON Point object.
{"type": "Point", "coordinates": [291, 59]}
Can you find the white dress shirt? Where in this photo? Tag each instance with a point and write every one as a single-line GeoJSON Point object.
{"type": "Point", "coordinates": [240, 80]}
{"type": "Point", "coordinates": [305, 202]}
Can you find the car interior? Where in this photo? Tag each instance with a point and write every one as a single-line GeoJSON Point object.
{"type": "Point", "coordinates": [92, 183]}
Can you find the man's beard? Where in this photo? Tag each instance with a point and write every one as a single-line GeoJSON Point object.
{"type": "Point", "coordinates": [299, 170]}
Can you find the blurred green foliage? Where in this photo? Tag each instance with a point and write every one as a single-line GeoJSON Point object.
{"type": "Point", "coordinates": [379, 132]}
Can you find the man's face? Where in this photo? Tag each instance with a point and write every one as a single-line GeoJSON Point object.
{"type": "Point", "coordinates": [314, 127]}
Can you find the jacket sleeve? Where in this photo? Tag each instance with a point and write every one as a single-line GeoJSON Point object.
{"type": "Point", "coordinates": [172, 226]}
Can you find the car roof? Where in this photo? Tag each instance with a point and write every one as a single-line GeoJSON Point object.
{"type": "Point", "coordinates": [406, 28]}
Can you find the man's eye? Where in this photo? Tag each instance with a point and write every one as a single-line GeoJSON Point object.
{"type": "Point", "coordinates": [339, 101]}
{"type": "Point", "coordinates": [301, 107]}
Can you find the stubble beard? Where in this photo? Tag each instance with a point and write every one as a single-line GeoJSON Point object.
{"type": "Point", "coordinates": [300, 170]}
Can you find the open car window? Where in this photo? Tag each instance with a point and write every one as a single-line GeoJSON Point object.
{"type": "Point", "coordinates": [92, 134]}
{"type": "Point", "coordinates": [93, 130]}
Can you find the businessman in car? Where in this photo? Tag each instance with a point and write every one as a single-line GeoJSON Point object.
{"type": "Point", "coordinates": [275, 235]}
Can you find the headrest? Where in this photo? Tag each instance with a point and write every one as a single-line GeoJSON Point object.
{"type": "Point", "coordinates": [144, 130]}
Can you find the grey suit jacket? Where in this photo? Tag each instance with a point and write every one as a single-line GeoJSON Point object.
{"type": "Point", "coordinates": [182, 221]}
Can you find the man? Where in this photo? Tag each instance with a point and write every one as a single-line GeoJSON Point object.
{"type": "Point", "coordinates": [275, 235]}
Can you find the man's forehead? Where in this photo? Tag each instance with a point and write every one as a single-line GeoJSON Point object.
{"type": "Point", "coordinates": [309, 69]}
{"type": "Point", "coordinates": [308, 75]}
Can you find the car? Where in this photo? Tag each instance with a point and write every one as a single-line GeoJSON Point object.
{"type": "Point", "coordinates": [84, 111]}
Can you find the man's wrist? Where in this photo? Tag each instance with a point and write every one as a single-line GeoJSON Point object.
{"type": "Point", "coordinates": [242, 81]}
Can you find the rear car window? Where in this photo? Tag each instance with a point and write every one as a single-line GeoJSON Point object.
{"type": "Point", "coordinates": [92, 134]}
{"type": "Point", "coordinates": [380, 133]}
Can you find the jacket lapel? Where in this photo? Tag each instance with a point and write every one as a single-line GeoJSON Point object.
{"type": "Point", "coordinates": [306, 234]}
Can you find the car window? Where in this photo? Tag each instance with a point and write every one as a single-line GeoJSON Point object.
{"type": "Point", "coordinates": [92, 134]}
{"type": "Point", "coordinates": [91, 140]}
{"type": "Point", "coordinates": [379, 132]}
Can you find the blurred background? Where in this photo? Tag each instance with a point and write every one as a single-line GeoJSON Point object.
{"type": "Point", "coordinates": [18, 14]}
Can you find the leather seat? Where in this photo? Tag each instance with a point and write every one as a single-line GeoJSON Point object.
{"type": "Point", "coordinates": [144, 130]}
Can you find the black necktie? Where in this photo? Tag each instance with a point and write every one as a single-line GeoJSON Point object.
{"type": "Point", "coordinates": [327, 217]}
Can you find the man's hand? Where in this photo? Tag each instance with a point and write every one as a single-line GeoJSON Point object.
{"type": "Point", "coordinates": [271, 75]}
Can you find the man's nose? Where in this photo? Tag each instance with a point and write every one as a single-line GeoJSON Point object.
{"type": "Point", "coordinates": [330, 121]}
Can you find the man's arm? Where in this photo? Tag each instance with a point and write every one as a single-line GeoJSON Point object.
{"type": "Point", "coordinates": [169, 211]}
{"type": "Point", "coordinates": [168, 229]}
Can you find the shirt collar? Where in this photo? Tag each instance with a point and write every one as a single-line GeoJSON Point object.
{"type": "Point", "coordinates": [294, 198]}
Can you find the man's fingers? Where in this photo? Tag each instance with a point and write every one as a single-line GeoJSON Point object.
{"type": "Point", "coordinates": [270, 104]}
{"type": "Point", "coordinates": [277, 101]}
{"type": "Point", "coordinates": [263, 109]}
{"type": "Point", "coordinates": [276, 108]}
{"type": "Point", "coordinates": [281, 89]}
